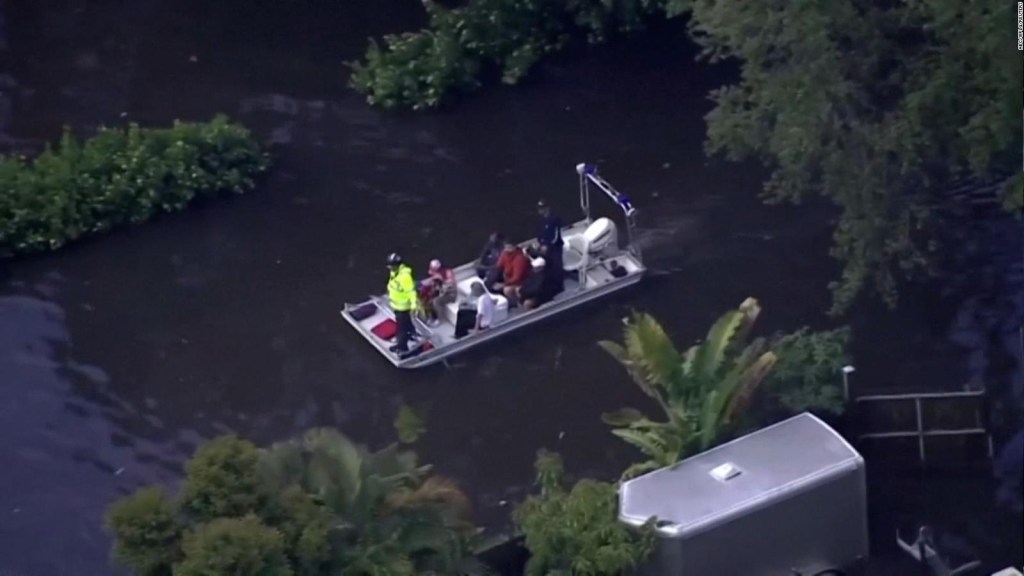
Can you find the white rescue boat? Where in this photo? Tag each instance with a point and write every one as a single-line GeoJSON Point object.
{"type": "Point", "coordinates": [596, 266]}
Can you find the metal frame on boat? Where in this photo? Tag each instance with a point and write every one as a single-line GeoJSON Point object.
{"type": "Point", "coordinates": [593, 260]}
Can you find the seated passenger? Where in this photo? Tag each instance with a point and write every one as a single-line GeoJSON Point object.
{"type": "Point", "coordinates": [437, 291]}
{"type": "Point", "coordinates": [484, 307]}
{"type": "Point", "coordinates": [487, 263]}
{"type": "Point", "coordinates": [543, 285]}
{"type": "Point", "coordinates": [514, 267]}
{"type": "Point", "coordinates": [552, 267]}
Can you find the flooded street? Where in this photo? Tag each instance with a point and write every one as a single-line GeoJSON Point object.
{"type": "Point", "coordinates": [119, 355]}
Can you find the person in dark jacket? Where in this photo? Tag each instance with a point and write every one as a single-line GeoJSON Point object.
{"type": "Point", "coordinates": [487, 263]}
{"type": "Point", "coordinates": [549, 238]}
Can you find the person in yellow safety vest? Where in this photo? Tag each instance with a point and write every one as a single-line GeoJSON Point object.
{"type": "Point", "coordinates": [404, 301]}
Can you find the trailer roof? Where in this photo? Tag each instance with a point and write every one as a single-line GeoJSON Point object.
{"type": "Point", "coordinates": [774, 462]}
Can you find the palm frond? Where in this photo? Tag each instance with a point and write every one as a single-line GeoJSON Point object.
{"type": "Point", "coordinates": [652, 445]}
{"type": "Point", "coordinates": [724, 403]}
{"type": "Point", "coordinates": [712, 352]}
{"type": "Point", "coordinates": [634, 370]}
{"type": "Point", "coordinates": [622, 417]}
{"type": "Point", "coordinates": [743, 360]}
{"type": "Point", "coordinates": [751, 309]}
{"type": "Point", "coordinates": [335, 465]}
{"type": "Point", "coordinates": [748, 383]}
{"type": "Point", "coordinates": [433, 491]}
{"type": "Point", "coordinates": [652, 350]}
{"type": "Point", "coordinates": [393, 460]}
{"type": "Point", "coordinates": [638, 469]}
{"type": "Point", "coordinates": [710, 417]}
{"type": "Point", "coordinates": [688, 359]}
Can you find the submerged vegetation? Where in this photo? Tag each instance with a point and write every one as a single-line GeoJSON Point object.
{"type": "Point", "coordinates": [119, 177]}
{"type": "Point", "coordinates": [877, 108]}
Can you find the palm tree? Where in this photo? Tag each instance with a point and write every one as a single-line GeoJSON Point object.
{"type": "Point", "coordinates": [388, 516]}
{"type": "Point", "coordinates": [700, 391]}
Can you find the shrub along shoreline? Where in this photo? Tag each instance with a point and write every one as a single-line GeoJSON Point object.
{"type": "Point", "coordinates": [118, 177]}
{"type": "Point", "coordinates": [426, 69]}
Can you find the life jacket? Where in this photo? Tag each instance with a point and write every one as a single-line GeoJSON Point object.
{"type": "Point", "coordinates": [402, 290]}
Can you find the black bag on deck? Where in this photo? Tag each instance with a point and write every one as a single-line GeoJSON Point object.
{"type": "Point", "coordinates": [365, 311]}
{"type": "Point", "coordinates": [464, 321]}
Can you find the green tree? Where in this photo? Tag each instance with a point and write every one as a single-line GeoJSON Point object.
{"type": "Point", "coordinates": [317, 506]}
{"type": "Point", "coordinates": [233, 546]}
{"type": "Point", "coordinates": [700, 391]}
{"type": "Point", "coordinates": [396, 517]}
{"type": "Point", "coordinates": [221, 480]}
{"type": "Point", "coordinates": [146, 532]}
{"type": "Point", "coordinates": [577, 532]}
{"type": "Point", "coordinates": [876, 106]}
{"type": "Point", "coordinates": [425, 69]}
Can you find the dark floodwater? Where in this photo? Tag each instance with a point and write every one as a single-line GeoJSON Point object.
{"type": "Point", "coordinates": [120, 355]}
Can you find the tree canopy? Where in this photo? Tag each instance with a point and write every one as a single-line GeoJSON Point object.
{"type": "Point", "coordinates": [878, 107]}
{"type": "Point", "coordinates": [311, 507]}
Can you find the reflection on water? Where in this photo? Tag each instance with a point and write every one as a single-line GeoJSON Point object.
{"type": "Point", "coordinates": [63, 455]}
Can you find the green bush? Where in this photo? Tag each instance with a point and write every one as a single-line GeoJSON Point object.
{"type": "Point", "coordinates": [808, 375]}
{"type": "Point", "coordinates": [148, 532]}
{"type": "Point", "coordinates": [234, 546]}
{"type": "Point", "coordinates": [316, 506]}
{"type": "Point", "coordinates": [578, 531]}
{"type": "Point", "coordinates": [119, 177]}
{"type": "Point", "coordinates": [222, 480]}
{"type": "Point", "coordinates": [423, 69]}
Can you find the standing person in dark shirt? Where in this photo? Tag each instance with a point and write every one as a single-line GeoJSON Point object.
{"type": "Point", "coordinates": [550, 238]}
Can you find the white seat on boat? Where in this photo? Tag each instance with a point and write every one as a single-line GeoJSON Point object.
{"type": "Point", "coordinates": [598, 236]}
{"type": "Point", "coordinates": [465, 288]}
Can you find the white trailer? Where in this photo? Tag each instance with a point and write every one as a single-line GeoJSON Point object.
{"type": "Point", "coordinates": [788, 499]}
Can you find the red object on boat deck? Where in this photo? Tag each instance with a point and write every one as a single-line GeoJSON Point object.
{"type": "Point", "coordinates": [386, 330]}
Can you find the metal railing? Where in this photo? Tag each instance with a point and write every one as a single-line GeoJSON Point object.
{"type": "Point", "coordinates": [920, 432]}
